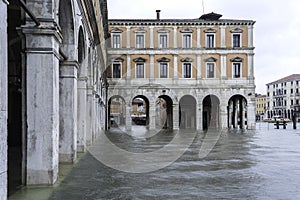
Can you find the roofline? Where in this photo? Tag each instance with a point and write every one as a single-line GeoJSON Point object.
{"type": "Point", "coordinates": [285, 79]}
{"type": "Point", "coordinates": [176, 22]}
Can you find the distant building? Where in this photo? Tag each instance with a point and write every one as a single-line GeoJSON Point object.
{"type": "Point", "coordinates": [283, 96]}
{"type": "Point", "coordinates": [260, 104]}
{"type": "Point", "coordinates": [201, 69]}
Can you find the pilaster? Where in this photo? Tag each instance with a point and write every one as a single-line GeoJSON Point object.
{"type": "Point", "coordinates": [3, 101]}
{"type": "Point", "coordinates": [223, 37]}
{"type": "Point", "coordinates": [128, 70]}
{"type": "Point", "coordinates": [81, 116]}
{"type": "Point", "coordinates": [250, 36]}
{"type": "Point", "coordinates": [42, 44]}
{"type": "Point", "coordinates": [175, 116]}
{"type": "Point", "coordinates": [251, 66]}
{"type": "Point", "coordinates": [175, 67]}
{"type": "Point", "coordinates": [128, 124]}
{"type": "Point", "coordinates": [175, 36]}
{"type": "Point", "coordinates": [199, 75]}
{"type": "Point", "coordinates": [152, 66]}
{"type": "Point", "coordinates": [151, 37]}
{"type": "Point", "coordinates": [223, 66]}
{"type": "Point", "coordinates": [68, 111]}
{"type": "Point", "coordinates": [128, 36]}
{"type": "Point", "coordinates": [198, 37]}
{"type": "Point", "coordinates": [90, 106]}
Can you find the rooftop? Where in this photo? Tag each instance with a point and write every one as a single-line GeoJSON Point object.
{"type": "Point", "coordinates": [292, 77]}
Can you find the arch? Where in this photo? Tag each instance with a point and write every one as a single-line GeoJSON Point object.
{"type": "Point", "coordinates": [211, 112]}
{"type": "Point", "coordinates": [164, 112]}
{"type": "Point", "coordinates": [80, 50]}
{"type": "Point", "coordinates": [187, 112]}
{"type": "Point", "coordinates": [116, 111]}
{"type": "Point", "coordinates": [140, 110]}
{"type": "Point", "coordinates": [237, 111]}
{"type": "Point", "coordinates": [66, 24]}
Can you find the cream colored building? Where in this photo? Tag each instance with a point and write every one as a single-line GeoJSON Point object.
{"type": "Point", "coordinates": [260, 102]}
{"type": "Point", "coordinates": [283, 96]}
{"type": "Point", "coordinates": [202, 68]}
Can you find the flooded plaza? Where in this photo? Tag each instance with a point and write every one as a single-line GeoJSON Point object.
{"type": "Point", "coordinates": [256, 164]}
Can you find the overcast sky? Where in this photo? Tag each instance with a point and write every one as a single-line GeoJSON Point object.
{"type": "Point", "coordinates": [276, 31]}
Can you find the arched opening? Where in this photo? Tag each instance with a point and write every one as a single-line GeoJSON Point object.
{"type": "Point", "coordinates": [187, 112]}
{"type": "Point", "coordinates": [210, 112]}
{"type": "Point", "coordinates": [237, 112]}
{"type": "Point", "coordinates": [66, 24]}
{"type": "Point", "coordinates": [116, 111]}
{"type": "Point", "coordinates": [16, 100]}
{"type": "Point", "coordinates": [140, 111]}
{"type": "Point", "coordinates": [164, 112]}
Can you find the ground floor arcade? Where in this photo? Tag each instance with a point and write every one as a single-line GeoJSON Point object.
{"type": "Point", "coordinates": [159, 108]}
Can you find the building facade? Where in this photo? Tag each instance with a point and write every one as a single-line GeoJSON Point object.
{"type": "Point", "coordinates": [197, 73]}
{"type": "Point", "coordinates": [283, 96]}
{"type": "Point", "coordinates": [260, 102]}
{"type": "Point", "coordinates": [53, 62]}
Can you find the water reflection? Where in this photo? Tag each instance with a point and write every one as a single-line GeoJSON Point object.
{"type": "Point", "coordinates": [261, 164]}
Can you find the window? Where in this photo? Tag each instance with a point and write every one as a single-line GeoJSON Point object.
{"type": "Point", "coordinates": [186, 41]}
{"type": "Point", "coordinates": [163, 70]}
{"type": "Point", "coordinates": [210, 71]}
{"type": "Point", "coordinates": [187, 70]}
{"type": "Point", "coordinates": [140, 41]}
{"type": "Point", "coordinates": [236, 70]}
{"type": "Point", "coordinates": [116, 41]}
{"type": "Point", "coordinates": [292, 102]}
{"type": "Point", "coordinates": [210, 40]}
{"type": "Point", "coordinates": [236, 40]}
{"type": "Point", "coordinates": [163, 41]}
{"type": "Point", "coordinates": [292, 91]}
{"type": "Point", "coordinates": [140, 72]}
{"type": "Point", "coordinates": [116, 70]}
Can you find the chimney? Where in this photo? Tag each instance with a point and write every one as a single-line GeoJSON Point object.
{"type": "Point", "coordinates": [158, 14]}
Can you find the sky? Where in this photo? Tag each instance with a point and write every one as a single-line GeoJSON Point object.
{"type": "Point", "coordinates": [276, 31]}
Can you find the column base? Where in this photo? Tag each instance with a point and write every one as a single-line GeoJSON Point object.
{"type": "Point", "coordinates": [67, 158]}
{"type": "Point", "coordinates": [81, 148]}
{"type": "Point", "coordinates": [42, 177]}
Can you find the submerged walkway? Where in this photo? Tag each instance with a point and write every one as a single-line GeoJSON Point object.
{"type": "Point", "coordinates": [259, 164]}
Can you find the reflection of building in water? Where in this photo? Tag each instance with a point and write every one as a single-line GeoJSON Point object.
{"type": "Point", "coordinates": [199, 70]}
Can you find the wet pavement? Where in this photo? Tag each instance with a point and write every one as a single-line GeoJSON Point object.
{"type": "Point", "coordinates": [260, 164]}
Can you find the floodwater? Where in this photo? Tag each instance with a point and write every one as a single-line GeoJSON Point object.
{"type": "Point", "coordinates": [260, 164]}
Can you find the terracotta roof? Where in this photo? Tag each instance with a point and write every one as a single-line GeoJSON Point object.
{"type": "Point", "coordinates": [292, 77]}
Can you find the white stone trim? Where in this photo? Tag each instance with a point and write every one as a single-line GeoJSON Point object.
{"type": "Point", "coordinates": [151, 37]}
{"type": "Point", "coordinates": [223, 37]}
{"type": "Point", "coordinates": [138, 63]}
{"type": "Point", "coordinates": [159, 45]}
{"type": "Point", "coordinates": [112, 40]}
{"type": "Point", "coordinates": [175, 36]}
{"type": "Point", "coordinates": [191, 40]}
{"type": "Point", "coordinates": [206, 68]}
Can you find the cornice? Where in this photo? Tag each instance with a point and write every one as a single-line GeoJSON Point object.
{"type": "Point", "coordinates": [177, 22]}
{"type": "Point", "coordinates": [175, 51]}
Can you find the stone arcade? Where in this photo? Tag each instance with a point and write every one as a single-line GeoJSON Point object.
{"type": "Point", "coordinates": [52, 61]}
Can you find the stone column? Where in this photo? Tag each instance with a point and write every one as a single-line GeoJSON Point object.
{"type": "Point", "coordinates": [223, 37]}
{"type": "Point", "coordinates": [175, 116]}
{"type": "Point", "coordinates": [68, 111]}
{"type": "Point", "coordinates": [152, 115]}
{"type": "Point", "coordinates": [223, 115]}
{"type": "Point", "coordinates": [242, 120]}
{"type": "Point", "coordinates": [251, 113]}
{"type": "Point", "coordinates": [128, 124]}
{"type": "Point", "coordinates": [89, 115]}
{"type": "Point", "coordinates": [199, 116]}
{"type": "Point", "coordinates": [3, 101]}
{"type": "Point", "coordinates": [42, 47]}
{"type": "Point", "coordinates": [81, 113]}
